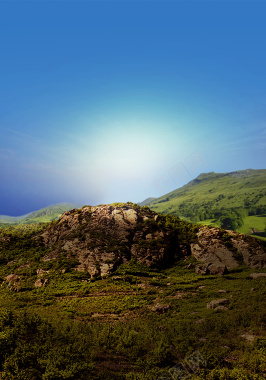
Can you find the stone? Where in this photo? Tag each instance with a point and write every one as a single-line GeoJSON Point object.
{"type": "Point", "coordinates": [41, 282]}
{"type": "Point", "coordinates": [249, 337]}
{"type": "Point", "coordinates": [198, 321]}
{"type": "Point", "coordinates": [40, 272]}
{"type": "Point", "coordinates": [13, 278]}
{"type": "Point", "coordinates": [221, 308]}
{"type": "Point", "coordinates": [215, 303]}
{"type": "Point", "coordinates": [159, 308]}
{"type": "Point", "coordinates": [13, 281]}
{"type": "Point", "coordinates": [258, 275]}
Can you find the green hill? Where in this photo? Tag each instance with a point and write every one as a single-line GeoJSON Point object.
{"type": "Point", "coordinates": [46, 214]}
{"type": "Point", "coordinates": [224, 199]}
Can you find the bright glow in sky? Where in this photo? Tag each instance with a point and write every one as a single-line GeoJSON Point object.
{"type": "Point", "coordinates": [118, 101]}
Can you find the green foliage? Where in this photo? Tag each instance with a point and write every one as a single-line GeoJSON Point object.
{"type": "Point", "coordinates": [186, 232]}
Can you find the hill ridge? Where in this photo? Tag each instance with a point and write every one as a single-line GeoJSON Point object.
{"type": "Point", "coordinates": [45, 214]}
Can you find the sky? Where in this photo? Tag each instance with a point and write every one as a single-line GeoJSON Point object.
{"type": "Point", "coordinates": [116, 101]}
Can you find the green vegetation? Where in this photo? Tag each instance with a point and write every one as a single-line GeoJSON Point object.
{"type": "Point", "coordinates": [136, 324]}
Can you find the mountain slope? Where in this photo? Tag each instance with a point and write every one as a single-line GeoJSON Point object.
{"type": "Point", "coordinates": [242, 192]}
{"type": "Point", "coordinates": [46, 214]}
{"type": "Point", "coordinates": [146, 201]}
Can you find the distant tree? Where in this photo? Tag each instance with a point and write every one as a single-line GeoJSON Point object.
{"type": "Point", "coordinates": [229, 223]}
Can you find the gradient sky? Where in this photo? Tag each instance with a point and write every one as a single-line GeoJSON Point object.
{"type": "Point", "coordinates": [115, 101]}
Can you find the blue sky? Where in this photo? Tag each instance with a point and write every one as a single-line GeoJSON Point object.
{"type": "Point", "coordinates": [105, 101]}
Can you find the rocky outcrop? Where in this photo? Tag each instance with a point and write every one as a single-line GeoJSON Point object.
{"type": "Point", "coordinates": [219, 250]}
{"type": "Point", "coordinates": [102, 237]}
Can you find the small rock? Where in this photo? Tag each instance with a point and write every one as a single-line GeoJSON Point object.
{"type": "Point", "coordinates": [222, 291]}
{"type": "Point", "coordinates": [159, 308]}
{"type": "Point", "coordinates": [258, 275]}
{"type": "Point", "coordinates": [199, 321]}
{"type": "Point", "coordinates": [117, 278]}
{"type": "Point", "coordinates": [249, 337]}
{"type": "Point", "coordinates": [215, 303]}
{"type": "Point", "coordinates": [13, 281]}
{"type": "Point", "coordinates": [202, 339]}
{"type": "Point", "coordinates": [12, 278]}
{"type": "Point", "coordinates": [41, 282]}
{"type": "Point", "coordinates": [221, 308]}
{"type": "Point", "coordinates": [40, 272]}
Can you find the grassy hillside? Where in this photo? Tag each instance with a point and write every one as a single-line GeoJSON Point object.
{"type": "Point", "coordinates": [44, 215]}
{"type": "Point", "coordinates": [137, 324]}
{"type": "Point", "coordinates": [236, 195]}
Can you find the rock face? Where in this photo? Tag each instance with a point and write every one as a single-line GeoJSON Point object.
{"type": "Point", "coordinates": [218, 251]}
{"type": "Point", "coordinates": [102, 237]}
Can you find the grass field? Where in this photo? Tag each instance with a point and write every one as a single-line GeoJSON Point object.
{"type": "Point", "coordinates": [257, 221]}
